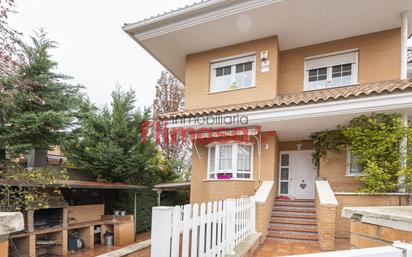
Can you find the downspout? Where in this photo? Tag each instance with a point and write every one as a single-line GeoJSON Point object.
{"type": "Point", "coordinates": [404, 45]}
{"type": "Point", "coordinates": [404, 75]}
{"type": "Point", "coordinates": [259, 144]}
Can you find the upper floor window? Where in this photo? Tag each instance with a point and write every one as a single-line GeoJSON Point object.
{"type": "Point", "coordinates": [333, 70]}
{"type": "Point", "coordinates": [230, 161]}
{"type": "Point", "coordinates": [234, 73]}
{"type": "Point", "coordinates": [353, 168]}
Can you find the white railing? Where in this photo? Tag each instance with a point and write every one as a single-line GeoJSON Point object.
{"type": "Point", "coordinates": [205, 230]}
{"type": "Point", "coordinates": [397, 250]}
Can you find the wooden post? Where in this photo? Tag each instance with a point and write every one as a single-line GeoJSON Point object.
{"type": "Point", "coordinates": [135, 215]}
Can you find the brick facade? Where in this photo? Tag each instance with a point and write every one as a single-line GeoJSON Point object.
{"type": "Point", "coordinates": [355, 200]}
{"type": "Point", "coordinates": [197, 86]}
{"type": "Point", "coordinates": [203, 190]}
{"type": "Point", "coordinates": [378, 59]}
{"type": "Point", "coordinates": [365, 235]}
{"type": "Point", "coordinates": [326, 221]}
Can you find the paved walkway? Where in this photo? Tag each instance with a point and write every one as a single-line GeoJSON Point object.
{"type": "Point", "coordinates": [272, 248]}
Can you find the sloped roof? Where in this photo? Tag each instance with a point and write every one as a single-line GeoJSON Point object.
{"type": "Point", "coordinates": [179, 9]}
{"type": "Point", "coordinates": [308, 97]}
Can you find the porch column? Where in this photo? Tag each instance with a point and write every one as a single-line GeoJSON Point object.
{"type": "Point", "coordinates": [403, 155]}
{"type": "Point", "coordinates": [159, 192]}
{"type": "Point", "coordinates": [404, 45]}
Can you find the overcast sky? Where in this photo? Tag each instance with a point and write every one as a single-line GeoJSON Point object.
{"type": "Point", "coordinates": [92, 46]}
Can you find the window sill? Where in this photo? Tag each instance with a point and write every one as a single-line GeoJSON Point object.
{"type": "Point", "coordinates": [319, 89]}
{"type": "Point", "coordinates": [353, 175]}
{"type": "Point", "coordinates": [230, 90]}
{"type": "Point", "coordinates": [229, 180]}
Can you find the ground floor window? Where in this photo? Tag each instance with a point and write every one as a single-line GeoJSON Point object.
{"type": "Point", "coordinates": [353, 168]}
{"type": "Point", "coordinates": [230, 161]}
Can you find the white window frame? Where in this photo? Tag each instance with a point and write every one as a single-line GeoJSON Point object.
{"type": "Point", "coordinates": [234, 170]}
{"type": "Point", "coordinates": [280, 174]}
{"type": "Point", "coordinates": [232, 61]}
{"type": "Point", "coordinates": [330, 56]}
{"type": "Point", "coordinates": [348, 164]}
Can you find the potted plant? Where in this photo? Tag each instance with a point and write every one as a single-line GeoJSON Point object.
{"type": "Point", "coordinates": [224, 176]}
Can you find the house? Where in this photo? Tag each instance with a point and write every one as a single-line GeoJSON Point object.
{"type": "Point", "coordinates": [276, 71]}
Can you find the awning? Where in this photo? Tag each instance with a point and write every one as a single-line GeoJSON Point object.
{"type": "Point", "coordinates": [95, 184]}
{"type": "Point", "coordinates": [219, 133]}
{"type": "Point", "coordinates": [172, 186]}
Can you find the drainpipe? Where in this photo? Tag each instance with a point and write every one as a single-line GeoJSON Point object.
{"type": "Point", "coordinates": [404, 44]}
{"type": "Point", "coordinates": [403, 155]}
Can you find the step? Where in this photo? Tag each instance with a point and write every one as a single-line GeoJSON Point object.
{"type": "Point", "coordinates": [295, 221]}
{"type": "Point", "coordinates": [295, 203]}
{"type": "Point", "coordinates": [288, 214]}
{"type": "Point", "coordinates": [293, 227]}
{"type": "Point", "coordinates": [294, 209]}
{"type": "Point", "coordinates": [311, 236]}
{"type": "Point", "coordinates": [288, 240]}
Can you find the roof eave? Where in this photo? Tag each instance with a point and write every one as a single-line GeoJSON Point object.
{"type": "Point", "coordinates": [171, 16]}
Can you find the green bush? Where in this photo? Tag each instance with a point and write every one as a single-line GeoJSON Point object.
{"type": "Point", "coordinates": [376, 142]}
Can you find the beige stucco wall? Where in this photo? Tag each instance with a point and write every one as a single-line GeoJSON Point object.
{"type": "Point", "coordinates": [379, 58]}
{"type": "Point", "coordinates": [197, 84]}
{"type": "Point", "coordinates": [333, 168]}
{"type": "Point", "coordinates": [203, 190]}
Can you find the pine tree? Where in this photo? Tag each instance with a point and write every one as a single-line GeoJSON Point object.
{"type": "Point", "coordinates": [108, 143]}
{"type": "Point", "coordinates": [38, 106]}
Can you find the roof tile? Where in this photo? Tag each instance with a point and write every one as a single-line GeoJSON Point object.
{"type": "Point", "coordinates": [306, 97]}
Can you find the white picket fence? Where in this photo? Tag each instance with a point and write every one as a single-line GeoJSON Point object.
{"type": "Point", "coordinates": [210, 229]}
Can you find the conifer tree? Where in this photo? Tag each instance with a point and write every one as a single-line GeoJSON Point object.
{"type": "Point", "coordinates": [38, 106]}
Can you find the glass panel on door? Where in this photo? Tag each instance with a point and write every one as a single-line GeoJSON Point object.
{"type": "Point", "coordinates": [284, 174]}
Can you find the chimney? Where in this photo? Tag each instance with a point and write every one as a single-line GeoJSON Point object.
{"type": "Point", "coordinates": [37, 158]}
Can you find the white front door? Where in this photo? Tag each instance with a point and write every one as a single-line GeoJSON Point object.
{"type": "Point", "coordinates": [297, 174]}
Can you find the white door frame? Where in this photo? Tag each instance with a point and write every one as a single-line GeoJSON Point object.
{"type": "Point", "coordinates": [291, 190]}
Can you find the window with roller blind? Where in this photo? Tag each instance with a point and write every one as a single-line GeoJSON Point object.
{"type": "Point", "coordinates": [331, 70]}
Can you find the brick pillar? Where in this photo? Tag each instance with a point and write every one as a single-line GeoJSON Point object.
{"type": "Point", "coordinates": [4, 247]}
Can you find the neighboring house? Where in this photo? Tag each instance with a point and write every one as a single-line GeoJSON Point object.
{"type": "Point", "coordinates": [282, 69]}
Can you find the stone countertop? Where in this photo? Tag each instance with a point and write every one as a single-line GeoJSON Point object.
{"type": "Point", "coordinates": [11, 222]}
{"type": "Point", "coordinates": [397, 217]}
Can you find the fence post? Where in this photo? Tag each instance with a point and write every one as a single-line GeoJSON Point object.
{"type": "Point", "coordinates": [230, 225]}
{"type": "Point", "coordinates": [407, 248]}
{"type": "Point", "coordinates": [252, 214]}
{"type": "Point", "coordinates": [161, 231]}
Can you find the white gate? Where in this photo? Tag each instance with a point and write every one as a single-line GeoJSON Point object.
{"type": "Point", "coordinates": [205, 230]}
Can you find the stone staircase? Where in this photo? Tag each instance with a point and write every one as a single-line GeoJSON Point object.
{"type": "Point", "coordinates": [294, 220]}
